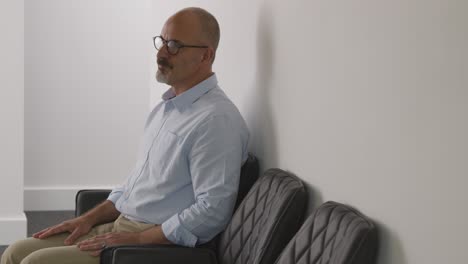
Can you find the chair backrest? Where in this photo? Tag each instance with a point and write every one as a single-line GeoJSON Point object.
{"type": "Point", "coordinates": [265, 221]}
{"type": "Point", "coordinates": [249, 174]}
{"type": "Point", "coordinates": [334, 234]}
{"type": "Point", "coordinates": [88, 199]}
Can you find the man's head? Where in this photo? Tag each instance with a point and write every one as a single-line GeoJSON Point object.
{"type": "Point", "coordinates": [190, 65]}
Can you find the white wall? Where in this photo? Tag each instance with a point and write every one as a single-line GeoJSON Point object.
{"type": "Point", "coordinates": [366, 101]}
{"type": "Point", "coordinates": [12, 218]}
{"type": "Point", "coordinates": [87, 81]}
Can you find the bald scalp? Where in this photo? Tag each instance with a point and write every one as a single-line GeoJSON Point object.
{"type": "Point", "coordinates": [209, 26]}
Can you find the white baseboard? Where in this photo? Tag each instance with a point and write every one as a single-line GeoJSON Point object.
{"type": "Point", "coordinates": [53, 198]}
{"type": "Point", "coordinates": [12, 229]}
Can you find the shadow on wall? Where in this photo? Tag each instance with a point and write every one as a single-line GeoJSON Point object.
{"type": "Point", "coordinates": [315, 198]}
{"type": "Point", "coordinates": [390, 249]}
{"type": "Point", "coordinates": [259, 109]}
{"type": "Point", "coordinates": [390, 246]}
{"type": "Point", "coordinates": [264, 141]}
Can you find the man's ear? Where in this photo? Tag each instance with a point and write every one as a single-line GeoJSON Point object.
{"type": "Point", "coordinates": [208, 55]}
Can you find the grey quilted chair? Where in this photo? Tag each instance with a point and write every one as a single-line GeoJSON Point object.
{"type": "Point", "coordinates": [265, 221]}
{"type": "Point", "coordinates": [268, 218]}
{"type": "Point", "coordinates": [335, 234]}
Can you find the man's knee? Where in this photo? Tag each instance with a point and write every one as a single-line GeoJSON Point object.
{"type": "Point", "coordinates": [14, 253]}
{"type": "Point", "coordinates": [36, 257]}
{"type": "Point", "coordinates": [60, 255]}
{"type": "Point", "coordinates": [19, 250]}
{"type": "Point", "coordinates": [47, 256]}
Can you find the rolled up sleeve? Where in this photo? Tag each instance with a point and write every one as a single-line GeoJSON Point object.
{"type": "Point", "coordinates": [115, 194]}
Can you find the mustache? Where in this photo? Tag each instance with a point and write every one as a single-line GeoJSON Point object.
{"type": "Point", "coordinates": [164, 62]}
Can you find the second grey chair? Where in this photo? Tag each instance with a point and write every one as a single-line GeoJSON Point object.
{"type": "Point", "coordinates": [334, 234]}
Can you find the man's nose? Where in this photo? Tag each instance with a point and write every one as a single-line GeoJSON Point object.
{"type": "Point", "coordinates": [162, 52]}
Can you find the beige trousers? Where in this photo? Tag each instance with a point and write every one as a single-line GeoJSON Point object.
{"type": "Point", "coordinates": [52, 250]}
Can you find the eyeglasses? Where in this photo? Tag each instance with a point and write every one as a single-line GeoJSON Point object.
{"type": "Point", "coordinates": [172, 46]}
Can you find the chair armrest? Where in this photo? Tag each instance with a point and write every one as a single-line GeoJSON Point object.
{"type": "Point", "coordinates": [87, 199]}
{"type": "Point", "coordinates": [150, 254]}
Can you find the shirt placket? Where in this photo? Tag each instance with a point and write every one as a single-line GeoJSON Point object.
{"type": "Point", "coordinates": [154, 130]}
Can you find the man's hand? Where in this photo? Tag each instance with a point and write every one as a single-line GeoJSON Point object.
{"type": "Point", "coordinates": [77, 227]}
{"type": "Point", "coordinates": [96, 244]}
{"type": "Point", "coordinates": [80, 226]}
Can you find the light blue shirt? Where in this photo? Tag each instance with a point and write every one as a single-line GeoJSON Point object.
{"type": "Point", "coordinates": [187, 173]}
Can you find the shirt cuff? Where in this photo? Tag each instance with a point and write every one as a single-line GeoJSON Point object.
{"type": "Point", "coordinates": [114, 196]}
{"type": "Point", "coordinates": [178, 234]}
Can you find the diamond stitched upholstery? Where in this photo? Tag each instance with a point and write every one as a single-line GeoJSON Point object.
{"type": "Point", "coordinates": [265, 221]}
{"type": "Point", "coordinates": [335, 234]}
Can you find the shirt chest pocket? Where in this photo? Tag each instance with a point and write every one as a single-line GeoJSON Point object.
{"type": "Point", "coordinates": [167, 148]}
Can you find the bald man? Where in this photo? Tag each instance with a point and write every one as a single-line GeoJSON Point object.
{"type": "Point", "coordinates": [184, 185]}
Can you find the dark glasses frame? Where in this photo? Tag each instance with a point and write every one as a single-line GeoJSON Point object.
{"type": "Point", "coordinates": [172, 44]}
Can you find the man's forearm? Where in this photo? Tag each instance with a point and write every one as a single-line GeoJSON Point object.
{"type": "Point", "coordinates": [103, 213]}
{"type": "Point", "coordinates": [153, 235]}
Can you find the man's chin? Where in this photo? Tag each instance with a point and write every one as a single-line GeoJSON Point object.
{"type": "Point", "coordinates": [160, 77]}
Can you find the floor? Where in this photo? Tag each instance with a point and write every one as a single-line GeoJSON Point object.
{"type": "Point", "coordinates": [39, 220]}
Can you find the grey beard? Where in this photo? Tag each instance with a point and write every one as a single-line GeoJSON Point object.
{"type": "Point", "coordinates": [160, 77]}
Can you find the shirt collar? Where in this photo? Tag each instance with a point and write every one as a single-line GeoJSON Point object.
{"type": "Point", "coordinates": [187, 98]}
